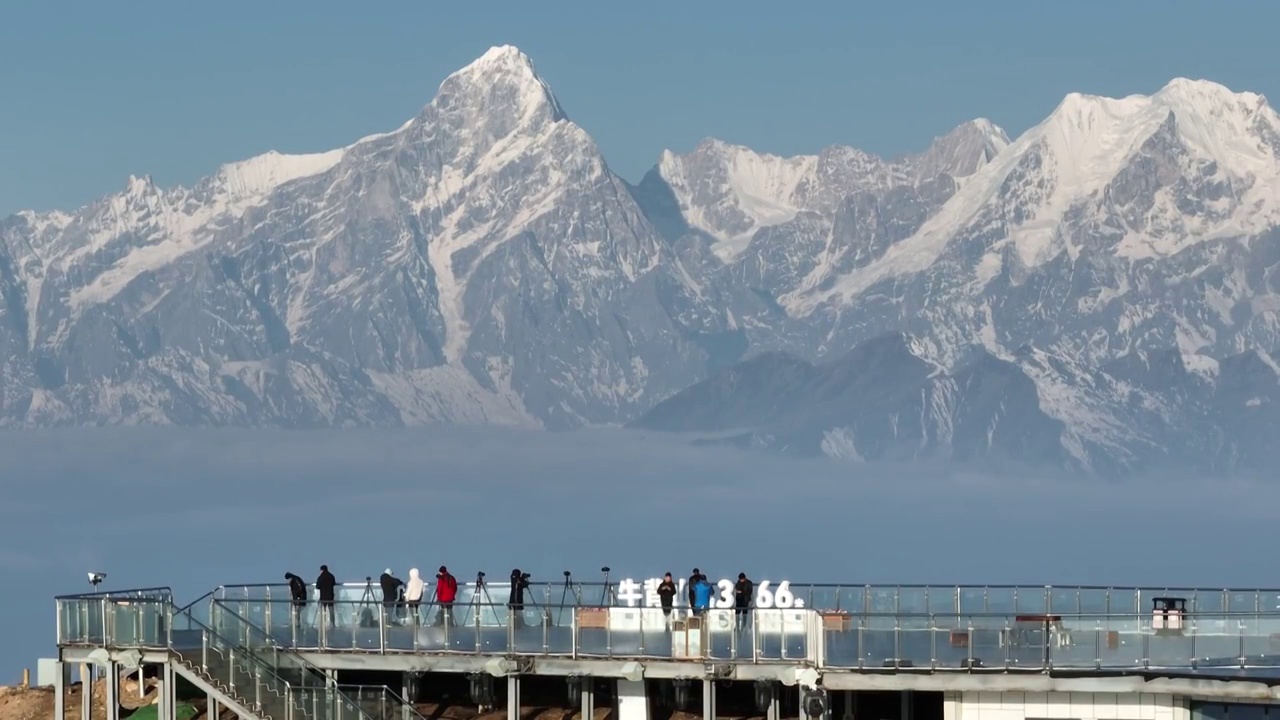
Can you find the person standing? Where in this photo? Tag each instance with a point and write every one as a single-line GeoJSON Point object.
{"type": "Point", "coordinates": [693, 581]}
{"type": "Point", "coordinates": [298, 592]}
{"type": "Point", "coordinates": [413, 591]}
{"type": "Point", "coordinates": [702, 592]}
{"type": "Point", "coordinates": [326, 585]}
{"type": "Point", "coordinates": [446, 592]}
{"type": "Point", "coordinates": [391, 586]}
{"type": "Point", "coordinates": [667, 596]}
{"type": "Point", "coordinates": [515, 599]}
{"type": "Point", "coordinates": [742, 591]}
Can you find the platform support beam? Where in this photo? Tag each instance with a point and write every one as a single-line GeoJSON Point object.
{"type": "Point", "coordinates": [633, 703]}
{"type": "Point", "coordinates": [513, 697]}
{"type": "Point", "coordinates": [588, 698]}
{"type": "Point", "coordinates": [708, 699]}
{"type": "Point", "coordinates": [112, 678]}
{"type": "Point", "coordinates": [60, 691]}
{"type": "Point", "coordinates": [86, 691]}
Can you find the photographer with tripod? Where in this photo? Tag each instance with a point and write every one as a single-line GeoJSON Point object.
{"type": "Point", "coordinates": [515, 601]}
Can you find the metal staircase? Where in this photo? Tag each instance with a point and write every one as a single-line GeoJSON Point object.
{"type": "Point", "coordinates": [308, 682]}
{"type": "Point", "coordinates": [248, 673]}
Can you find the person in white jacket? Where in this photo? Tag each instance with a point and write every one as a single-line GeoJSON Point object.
{"type": "Point", "coordinates": [413, 593]}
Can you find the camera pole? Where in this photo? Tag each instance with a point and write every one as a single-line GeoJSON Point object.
{"type": "Point", "coordinates": [564, 594]}
{"type": "Point", "coordinates": [606, 591]}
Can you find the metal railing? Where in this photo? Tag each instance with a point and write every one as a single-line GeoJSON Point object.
{"type": "Point", "coordinates": [857, 598]}
{"type": "Point", "coordinates": [946, 640]}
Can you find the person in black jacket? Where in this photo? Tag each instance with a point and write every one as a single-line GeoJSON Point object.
{"type": "Point", "coordinates": [742, 591]}
{"type": "Point", "coordinates": [391, 589]}
{"type": "Point", "coordinates": [325, 586]}
{"type": "Point", "coordinates": [693, 580]}
{"type": "Point", "coordinates": [298, 591]}
{"type": "Point", "coordinates": [515, 600]}
{"type": "Point", "coordinates": [667, 595]}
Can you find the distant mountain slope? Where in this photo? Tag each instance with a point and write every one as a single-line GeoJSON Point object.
{"type": "Point", "coordinates": [884, 401]}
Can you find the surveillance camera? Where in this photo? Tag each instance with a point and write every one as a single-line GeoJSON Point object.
{"type": "Point", "coordinates": [96, 577]}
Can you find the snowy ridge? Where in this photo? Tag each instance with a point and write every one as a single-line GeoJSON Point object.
{"type": "Point", "coordinates": [1072, 157]}
{"type": "Point", "coordinates": [729, 191]}
{"type": "Point", "coordinates": [1098, 294]}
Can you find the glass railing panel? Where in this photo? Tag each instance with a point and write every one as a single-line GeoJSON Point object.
{"type": "Point", "coordinates": [1121, 641]}
{"type": "Point", "coordinates": [1125, 601]}
{"type": "Point", "coordinates": [973, 600]}
{"type": "Point", "coordinates": [881, 600]}
{"type": "Point", "coordinates": [1027, 640]}
{"type": "Point", "coordinates": [721, 640]}
{"type": "Point", "coordinates": [75, 624]}
{"type": "Point", "coordinates": [820, 597]}
{"type": "Point", "coordinates": [841, 632]}
{"type": "Point", "coordinates": [853, 599]}
{"type": "Point", "coordinates": [1031, 600]}
{"type": "Point", "coordinates": [943, 600]}
{"type": "Point", "coordinates": [138, 623]}
{"type": "Point", "coordinates": [1064, 601]}
{"type": "Point", "coordinates": [879, 642]}
{"type": "Point", "coordinates": [1001, 601]}
{"type": "Point", "coordinates": [987, 643]}
{"type": "Point", "coordinates": [531, 633]}
{"type": "Point", "coordinates": [1172, 645]}
{"type": "Point", "coordinates": [1094, 601]}
{"type": "Point", "coordinates": [915, 639]}
{"type": "Point", "coordinates": [950, 639]}
{"type": "Point", "coordinates": [1241, 601]}
{"type": "Point", "coordinates": [1218, 640]}
{"type": "Point", "coordinates": [1262, 639]}
{"type": "Point", "coordinates": [1074, 643]}
{"type": "Point", "coordinates": [913, 600]}
{"type": "Point", "coordinates": [1208, 601]}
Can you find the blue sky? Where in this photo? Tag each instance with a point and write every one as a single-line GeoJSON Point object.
{"type": "Point", "coordinates": [96, 91]}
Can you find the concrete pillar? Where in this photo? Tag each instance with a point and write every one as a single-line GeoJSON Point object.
{"type": "Point", "coordinates": [588, 698]}
{"type": "Point", "coordinates": [86, 691]}
{"type": "Point", "coordinates": [633, 703]}
{"type": "Point", "coordinates": [513, 697]}
{"type": "Point", "coordinates": [906, 705]}
{"type": "Point", "coordinates": [408, 693]}
{"type": "Point", "coordinates": [112, 678]}
{"type": "Point", "coordinates": [168, 686]}
{"type": "Point", "coordinates": [59, 691]}
{"type": "Point", "coordinates": [708, 699]}
{"type": "Point", "coordinates": [775, 705]}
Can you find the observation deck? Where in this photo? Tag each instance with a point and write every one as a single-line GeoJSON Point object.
{"type": "Point", "coordinates": [1206, 643]}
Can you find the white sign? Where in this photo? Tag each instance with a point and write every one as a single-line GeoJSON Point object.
{"type": "Point", "coordinates": [632, 594]}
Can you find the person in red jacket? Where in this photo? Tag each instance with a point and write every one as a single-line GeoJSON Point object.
{"type": "Point", "coordinates": [446, 591]}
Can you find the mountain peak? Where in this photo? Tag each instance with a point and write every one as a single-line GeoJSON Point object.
{"type": "Point", "coordinates": [503, 80]}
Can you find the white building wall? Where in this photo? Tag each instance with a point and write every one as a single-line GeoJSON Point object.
{"type": "Point", "coordinates": [973, 705]}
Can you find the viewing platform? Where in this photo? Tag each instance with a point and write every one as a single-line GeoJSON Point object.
{"type": "Point", "coordinates": [826, 641]}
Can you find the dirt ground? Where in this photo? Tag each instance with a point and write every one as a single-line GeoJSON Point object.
{"type": "Point", "coordinates": [18, 703]}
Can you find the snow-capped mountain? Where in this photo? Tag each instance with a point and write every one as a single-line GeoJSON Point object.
{"type": "Point", "coordinates": [478, 264]}
{"type": "Point", "coordinates": [482, 264]}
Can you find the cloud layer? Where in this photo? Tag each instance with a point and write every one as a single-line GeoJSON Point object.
{"type": "Point", "coordinates": [195, 509]}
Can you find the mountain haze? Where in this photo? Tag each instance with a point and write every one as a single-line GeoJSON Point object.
{"type": "Point", "coordinates": [1099, 293]}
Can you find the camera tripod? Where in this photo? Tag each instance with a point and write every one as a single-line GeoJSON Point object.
{"type": "Point", "coordinates": [482, 590]}
{"type": "Point", "coordinates": [365, 615]}
{"type": "Point", "coordinates": [564, 595]}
